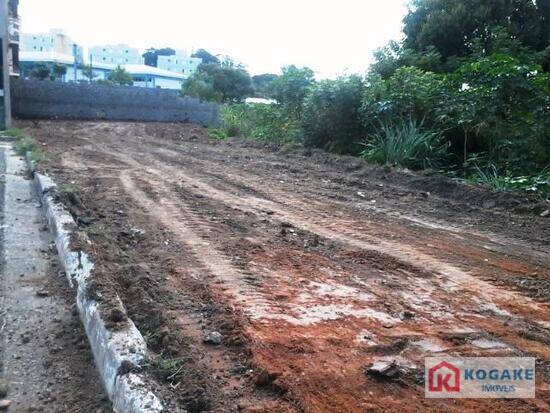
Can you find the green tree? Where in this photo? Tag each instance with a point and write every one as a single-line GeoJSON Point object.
{"type": "Point", "coordinates": [502, 108]}
{"type": "Point", "coordinates": [88, 72]}
{"type": "Point", "coordinates": [229, 82]}
{"type": "Point", "coordinates": [152, 54]}
{"type": "Point", "coordinates": [121, 77]}
{"type": "Point", "coordinates": [40, 71]}
{"type": "Point", "coordinates": [58, 71]}
{"type": "Point", "coordinates": [206, 57]}
{"type": "Point", "coordinates": [410, 93]}
{"type": "Point", "coordinates": [453, 26]}
{"type": "Point", "coordinates": [262, 84]}
{"type": "Point", "coordinates": [201, 85]}
{"type": "Point", "coordinates": [291, 88]}
{"type": "Point", "coordinates": [331, 117]}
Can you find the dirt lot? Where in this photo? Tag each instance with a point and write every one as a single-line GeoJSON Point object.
{"type": "Point", "coordinates": [312, 267]}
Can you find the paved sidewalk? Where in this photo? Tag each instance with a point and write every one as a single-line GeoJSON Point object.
{"type": "Point", "coordinates": [46, 361]}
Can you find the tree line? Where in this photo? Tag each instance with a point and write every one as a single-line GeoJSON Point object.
{"type": "Point", "coordinates": [466, 92]}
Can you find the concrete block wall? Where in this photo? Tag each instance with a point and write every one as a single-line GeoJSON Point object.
{"type": "Point", "coordinates": [56, 100]}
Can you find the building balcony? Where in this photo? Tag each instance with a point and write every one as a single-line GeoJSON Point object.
{"type": "Point", "coordinates": [13, 30]}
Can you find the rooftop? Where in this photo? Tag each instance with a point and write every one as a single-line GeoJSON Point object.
{"type": "Point", "coordinates": [54, 57]}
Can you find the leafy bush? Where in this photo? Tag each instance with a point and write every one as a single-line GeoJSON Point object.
{"type": "Point", "coordinates": [330, 116]}
{"type": "Point", "coordinates": [409, 93]}
{"type": "Point", "coordinates": [291, 88]}
{"type": "Point", "coordinates": [234, 120]}
{"type": "Point", "coordinates": [217, 134]}
{"type": "Point", "coordinates": [258, 121]}
{"type": "Point", "coordinates": [538, 184]}
{"type": "Point", "coordinates": [501, 106]}
{"type": "Point", "coordinates": [405, 144]}
{"type": "Point", "coordinates": [120, 76]}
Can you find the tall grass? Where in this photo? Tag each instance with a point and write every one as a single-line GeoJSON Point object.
{"type": "Point", "coordinates": [405, 144]}
{"type": "Point", "coordinates": [538, 184]}
{"type": "Point", "coordinates": [24, 143]}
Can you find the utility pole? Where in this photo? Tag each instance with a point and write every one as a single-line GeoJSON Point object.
{"type": "Point", "coordinates": [5, 99]}
{"type": "Point", "coordinates": [75, 64]}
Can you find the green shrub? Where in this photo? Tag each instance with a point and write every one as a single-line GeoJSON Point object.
{"type": "Point", "coordinates": [258, 121]}
{"type": "Point", "coordinates": [331, 118]}
{"type": "Point", "coordinates": [409, 93]}
{"type": "Point", "coordinates": [405, 144]}
{"type": "Point", "coordinates": [538, 184]}
{"type": "Point", "coordinates": [217, 134]}
{"type": "Point", "coordinates": [235, 120]}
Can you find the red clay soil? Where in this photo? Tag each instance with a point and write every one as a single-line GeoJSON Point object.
{"type": "Point", "coordinates": [311, 266]}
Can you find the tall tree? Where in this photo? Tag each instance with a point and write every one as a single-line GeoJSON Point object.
{"type": "Point", "coordinates": [58, 71]}
{"type": "Point", "coordinates": [121, 77]}
{"type": "Point", "coordinates": [454, 27]}
{"type": "Point", "coordinates": [40, 72]}
{"type": "Point", "coordinates": [151, 55]}
{"type": "Point", "coordinates": [206, 57]}
{"type": "Point", "coordinates": [229, 82]}
{"type": "Point", "coordinates": [261, 84]}
{"type": "Point", "coordinates": [291, 88]}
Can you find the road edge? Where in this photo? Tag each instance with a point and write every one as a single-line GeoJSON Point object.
{"type": "Point", "coordinates": [117, 354]}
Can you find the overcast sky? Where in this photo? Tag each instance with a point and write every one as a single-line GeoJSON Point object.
{"type": "Point", "coordinates": [330, 36]}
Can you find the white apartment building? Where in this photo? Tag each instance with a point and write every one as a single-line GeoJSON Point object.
{"type": "Point", "coordinates": [120, 54]}
{"type": "Point", "coordinates": [179, 63]}
{"type": "Point", "coordinates": [55, 41]}
{"type": "Point", "coordinates": [57, 48]}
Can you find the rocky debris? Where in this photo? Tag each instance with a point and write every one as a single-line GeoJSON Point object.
{"type": "Point", "coordinates": [383, 369]}
{"type": "Point", "coordinates": [42, 293]}
{"type": "Point", "coordinates": [133, 232]}
{"type": "Point", "coordinates": [4, 404]}
{"type": "Point", "coordinates": [84, 221]}
{"type": "Point", "coordinates": [489, 203]}
{"type": "Point", "coordinates": [213, 337]}
{"type": "Point", "coordinates": [545, 213]}
{"type": "Point", "coordinates": [117, 315]}
{"type": "Point", "coordinates": [406, 315]}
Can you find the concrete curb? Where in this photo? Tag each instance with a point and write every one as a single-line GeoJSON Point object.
{"type": "Point", "coordinates": [117, 353]}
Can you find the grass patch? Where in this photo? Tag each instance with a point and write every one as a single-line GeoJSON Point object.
{"type": "Point", "coordinates": [170, 369]}
{"type": "Point", "coordinates": [15, 133]}
{"type": "Point", "coordinates": [24, 143]}
{"type": "Point", "coordinates": [538, 185]}
{"type": "Point", "coordinates": [67, 189]}
{"type": "Point", "coordinates": [217, 134]}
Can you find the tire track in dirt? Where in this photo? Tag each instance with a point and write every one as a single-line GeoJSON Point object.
{"type": "Point", "coordinates": [303, 216]}
{"type": "Point", "coordinates": [339, 230]}
{"type": "Point", "coordinates": [306, 346]}
{"type": "Point", "coordinates": [484, 240]}
{"type": "Point", "coordinates": [180, 222]}
{"type": "Point", "coordinates": [214, 268]}
{"type": "Point", "coordinates": [203, 160]}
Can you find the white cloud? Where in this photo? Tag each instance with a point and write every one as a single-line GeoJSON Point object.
{"type": "Point", "coordinates": [329, 36]}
